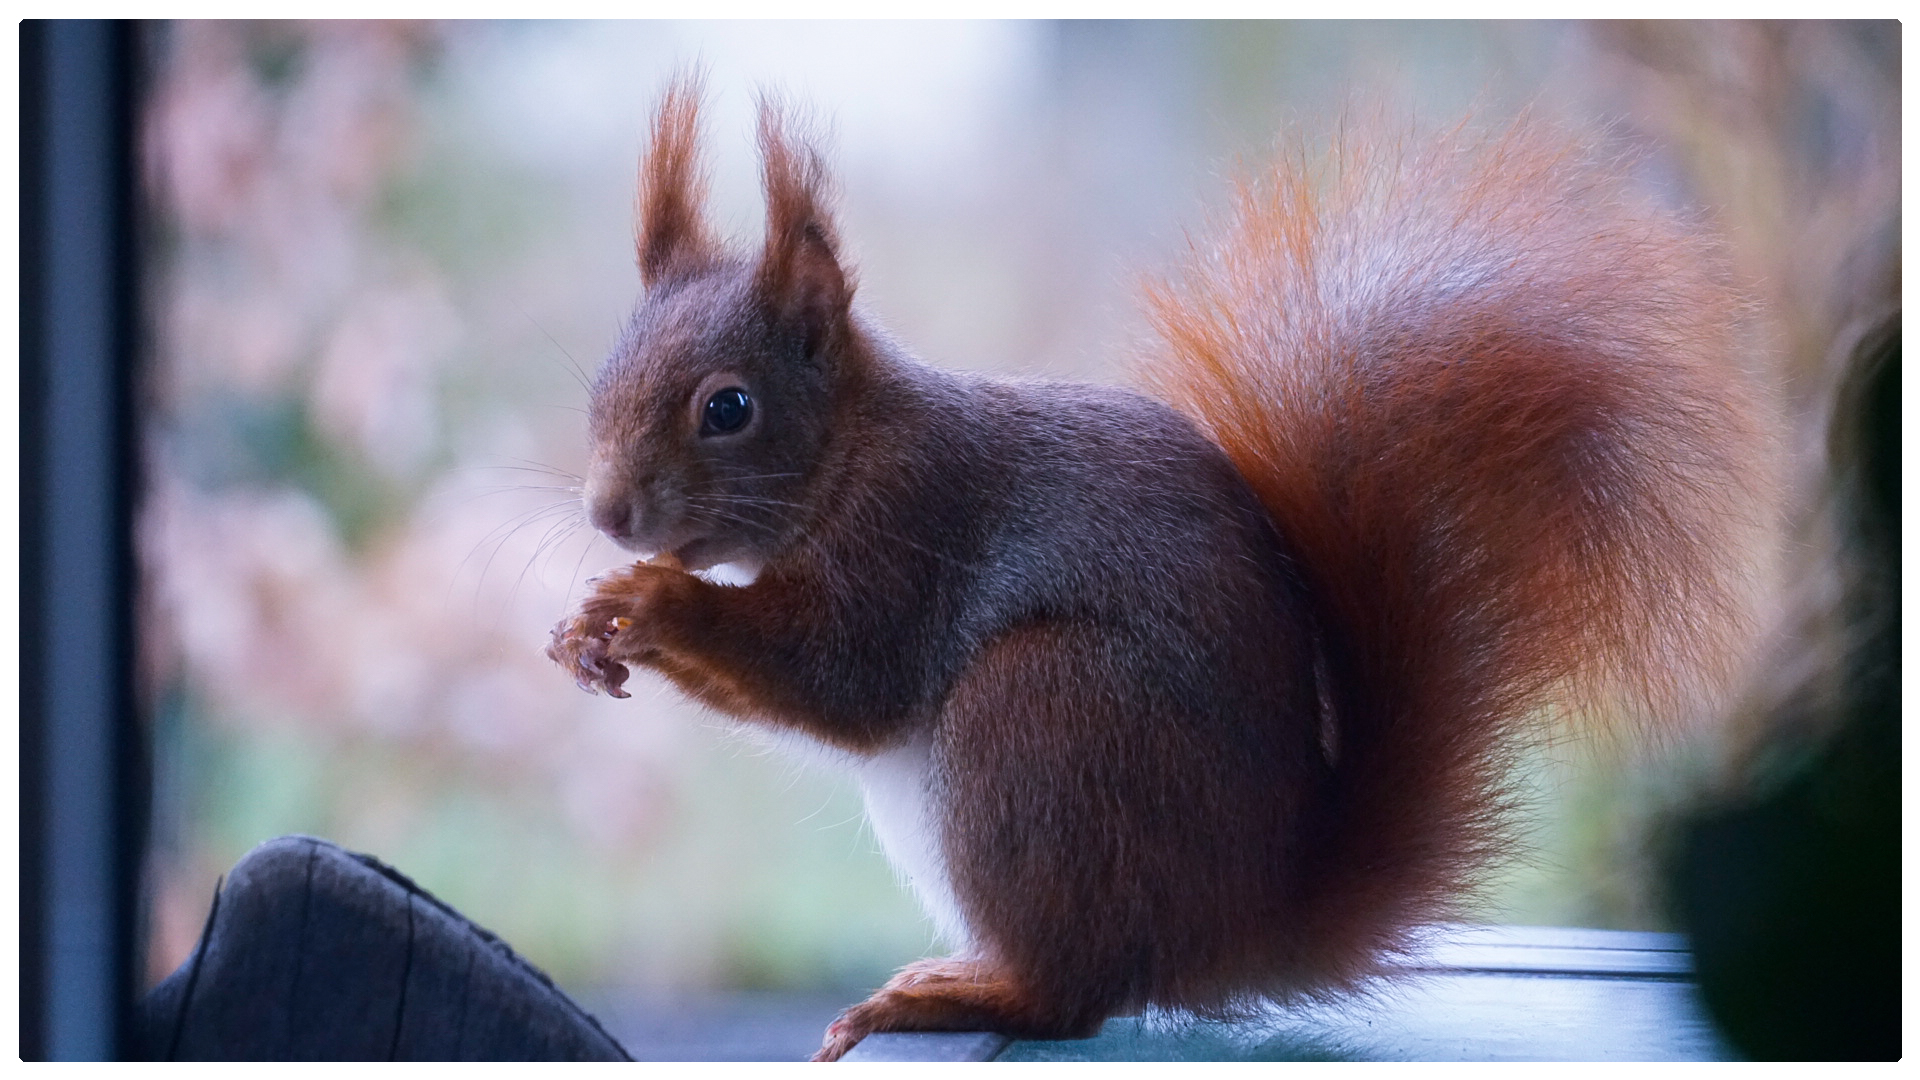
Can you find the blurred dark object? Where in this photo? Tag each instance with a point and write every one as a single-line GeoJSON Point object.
{"type": "Point", "coordinates": [83, 769]}
{"type": "Point", "coordinates": [1790, 885]}
{"type": "Point", "coordinates": [314, 953]}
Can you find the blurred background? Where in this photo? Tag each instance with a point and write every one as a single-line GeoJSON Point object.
{"type": "Point", "coordinates": [385, 256]}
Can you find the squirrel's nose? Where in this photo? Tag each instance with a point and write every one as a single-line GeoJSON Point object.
{"type": "Point", "coordinates": [612, 515]}
{"type": "Point", "coordinates": [621, 503]}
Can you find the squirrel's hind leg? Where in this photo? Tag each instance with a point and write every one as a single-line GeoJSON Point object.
{"type": "Point", "coordinates": [951, 994]}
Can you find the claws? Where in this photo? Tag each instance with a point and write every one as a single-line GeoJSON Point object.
{"type": "Point", "coordinates": [620, 619]}
{"type": "Point", "coordinates": [584, 655]}
{"type": "Point", "coordinates": [841, 1036]}
{"type": "Point", "coordinates": [834, 1048]}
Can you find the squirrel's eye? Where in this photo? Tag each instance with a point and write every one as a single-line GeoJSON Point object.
{"type": "Point", "coordinates": [727, 411]}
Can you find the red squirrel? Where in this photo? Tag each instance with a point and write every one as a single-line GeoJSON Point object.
{"type": "Point", "coordinates": [1201, 696]}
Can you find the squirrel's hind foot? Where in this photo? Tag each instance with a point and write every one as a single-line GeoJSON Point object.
{"type": "Point", "coordinates": [952, 995]}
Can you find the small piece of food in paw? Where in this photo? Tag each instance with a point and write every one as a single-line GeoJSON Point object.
{"type": "Point", "coordinates": [620, 622]}
{"type": "Point", "coordinates": [667, 560]}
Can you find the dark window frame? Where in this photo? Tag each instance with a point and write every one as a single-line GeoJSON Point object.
{"type": "Point", "coordinates": [85, 776]}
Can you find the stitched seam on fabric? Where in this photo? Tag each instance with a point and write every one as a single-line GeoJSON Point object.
{"type": "Point", "coordinates": [505, 950]}
{"type": "Point", "coordinates": [406, 974]}
{"type": "Point", "coordinates": [466, 996]}
{"type": "Point", "coordinates": [299, 951]}
{"type": "Point", "coordinates": [193, 973]}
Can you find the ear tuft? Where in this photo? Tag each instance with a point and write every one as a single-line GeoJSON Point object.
{"type": "Point", "coordinates": [800, 276]}
{"type": "Point", "coordinates": [670, 231]}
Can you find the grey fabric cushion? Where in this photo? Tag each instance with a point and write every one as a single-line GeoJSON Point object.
{"type": "Point", "coordinates": [312, 952]}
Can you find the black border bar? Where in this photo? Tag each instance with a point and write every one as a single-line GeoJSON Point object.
{"type": "Point", "coordinates": [83, 769]}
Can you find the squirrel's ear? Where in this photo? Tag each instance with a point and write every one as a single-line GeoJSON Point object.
{"type": "Point", "coordinates": [800, 277]}
{"type": "Point", "coordinates": [670, 231]}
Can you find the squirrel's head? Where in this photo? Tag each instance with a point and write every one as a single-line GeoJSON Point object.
{"type": "Point", "coordinates": [711, 415]}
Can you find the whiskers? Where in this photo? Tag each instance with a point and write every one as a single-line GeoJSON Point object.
{"type": "Point", "coordinates": [772, 517]}
{"type": "Point", "coordinates": [721, 502]}
{"type": "Point", "coordinates": [572, 366]}
{"type": "Point", "coordinates": [560, 520]}
{"type": "Point", "coordinates": [742, 479]}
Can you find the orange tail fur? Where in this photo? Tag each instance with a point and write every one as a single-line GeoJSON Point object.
{"type": "Point", "coordinates": [1489, 398]}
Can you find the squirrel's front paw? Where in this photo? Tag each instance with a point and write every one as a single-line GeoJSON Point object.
{"type": "Point", "coordinates": [618, 625]}
{"type": "Point", "coordinates": [583, 646]}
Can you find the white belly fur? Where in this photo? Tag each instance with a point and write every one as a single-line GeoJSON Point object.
{"type": "Point", "coordinates": [897, 785]}
{"type": "Point", "coordinates": [897, 790]}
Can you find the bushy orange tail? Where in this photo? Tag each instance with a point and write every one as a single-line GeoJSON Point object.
{"type": "Point", "coordinates": [1489, 400]}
